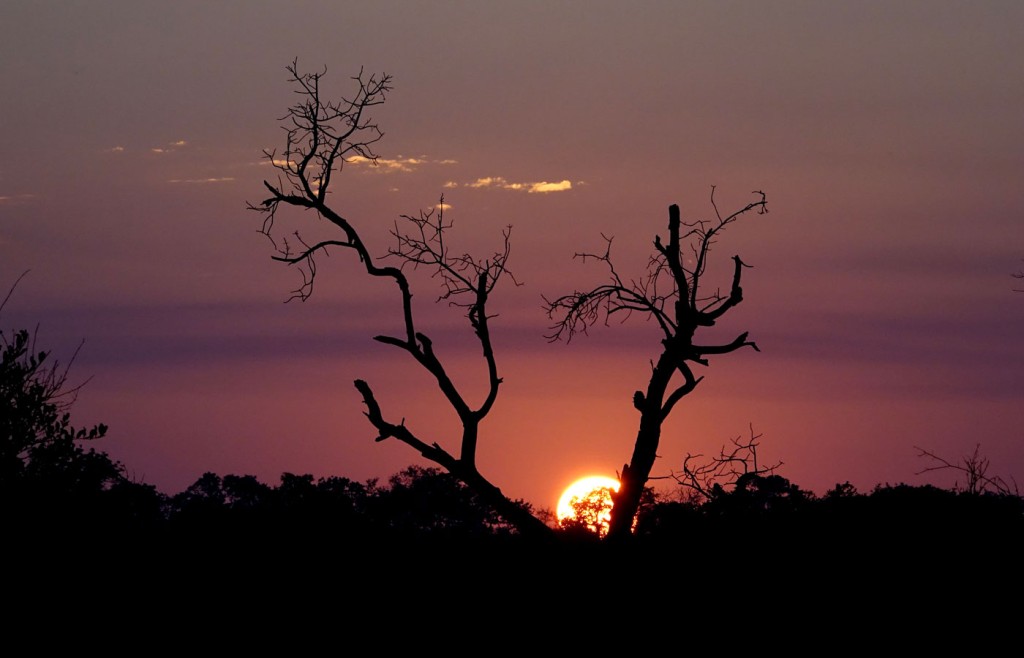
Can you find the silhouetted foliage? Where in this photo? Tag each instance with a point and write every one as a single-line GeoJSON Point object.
{"type": "Point", "coordinates": [422, 504]}
{"type": "Point", "coordinates": [591, 512]}
{"type": "Point", "coordinates": [49, 479]}
{"type": "Point", "coordinates": [428, 501]}
{"type": "Point", "coordinates": [758, 496]}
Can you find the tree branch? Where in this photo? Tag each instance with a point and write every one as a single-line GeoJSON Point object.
{"type": "Point", "coordinates": [387, 430]}
{"type": "Point", "coordinates": [715, 475]}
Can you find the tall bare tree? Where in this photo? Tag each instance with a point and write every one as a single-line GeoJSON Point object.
{"type": "Point", "coordinates": [322, 136]}
{"type": "Point", "coordinates": [675, 296]}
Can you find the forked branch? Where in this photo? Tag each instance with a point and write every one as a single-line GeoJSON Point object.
{"type": "Point", "coordinates": [669, 292]}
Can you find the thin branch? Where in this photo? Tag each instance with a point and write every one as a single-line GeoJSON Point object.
{"type": "Point", "coordinates": [576, 312]}
{"type": "Point", "coordinates": [975, 467]}
{"type": "Point", "coordinates": [708, 477]}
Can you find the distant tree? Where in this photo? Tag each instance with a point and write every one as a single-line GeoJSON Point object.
{"type": "Point", "coordinates": [590, 512]}
{"type": "Point", "coordinates": [202, 506]}
{"type": "Point", "coordinates": [244, 493]}
{"type": "Point", "coordinates": [768, 493]}
{"type": "Point", "coordinates": [974, 470]}
{"type": "Point", "coordinates": [429, 502]}
{"type": "Point", "coordinates": [673, 293]}
{"type": "Point", "coordinates": [322, 136]}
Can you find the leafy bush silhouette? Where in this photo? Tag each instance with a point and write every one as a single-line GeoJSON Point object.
{"type": "Point", "coordinates": [49, 480]}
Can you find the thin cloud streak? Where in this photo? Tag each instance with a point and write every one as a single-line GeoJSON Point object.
{"type": "Point", "coordinates": [201, 181]}
{"type": "Point", "coordinates": [397, 164]}
{"type": "Point", "coordinates": [500, 182]}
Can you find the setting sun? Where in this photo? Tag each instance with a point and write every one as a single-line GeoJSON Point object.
{"type": "Point", "coordinates": [592, 492]}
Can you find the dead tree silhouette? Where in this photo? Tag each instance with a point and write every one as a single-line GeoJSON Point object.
{"type": "Point", "coordinates": [323, 135]}
{"type": "Point", "coordinates": [674, 296]}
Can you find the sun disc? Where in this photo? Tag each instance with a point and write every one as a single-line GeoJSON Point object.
{"type": "Point", "coordinates": [579, 489]}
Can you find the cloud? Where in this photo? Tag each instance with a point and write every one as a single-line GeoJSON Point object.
{"type": "Point", "coordinates": [225, 179]}
{"type": "Point", "coordinates": [277, 162]}
{"type": "Point", "coordinates": [6, 199]}
{"type": "Point", "coordinates": [114, 149]}
{"type": "Point", "coordinates": [397, 164]}
{"type": "Point", "coordinates": [500, 182]}
{"type": "Point", "coordinates": [545, 187]}
{"type": "Point", "coordinates": [442, 206]}
{"type": "Point", "coordinates": [450, 184]}
{"type": "Point", "coordinates": [174, 146]}
{"type": "Point", "coordinates": [488, 182]}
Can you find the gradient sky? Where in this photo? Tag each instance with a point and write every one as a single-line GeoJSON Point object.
{"type": "Point", "coordinates": [888, 136]}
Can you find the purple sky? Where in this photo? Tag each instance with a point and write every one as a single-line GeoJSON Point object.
{"type": "Point", "coordinates": [888, 137]}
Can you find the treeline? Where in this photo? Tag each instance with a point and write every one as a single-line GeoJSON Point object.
{"type": "Point", "coordinates": [423, 504]}
{"type": "Point", "coordinates": [53, 483]}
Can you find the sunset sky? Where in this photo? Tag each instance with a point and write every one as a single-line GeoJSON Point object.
{"type": "Point", "coordinates": [888, 137]}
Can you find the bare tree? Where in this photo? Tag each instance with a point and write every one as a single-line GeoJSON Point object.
{"type": "Point", "coordinates": [672, 293]}
{"type": "Point", "coordinates": [974, 468]}
{"type": "Point", "coordinates": [322, 136]}
{"type": "Point", "coordinates": [706, 478]}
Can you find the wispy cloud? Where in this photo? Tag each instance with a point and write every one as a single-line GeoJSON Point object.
{"type": "Point", "coordinates": [14, 199]}
{"type": "Point", "coordinates": [398, 164]}
{"type": "Point", "coordinates": [277, 162]}
{"type": "Point", "coordinates": [201, 181]}
{"type": "Point", "coordinates": [170, 148]}
{"type": "Point", "coordinates": [114, 149]}
{"type": "Point", "coordinates": [499, 182]}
